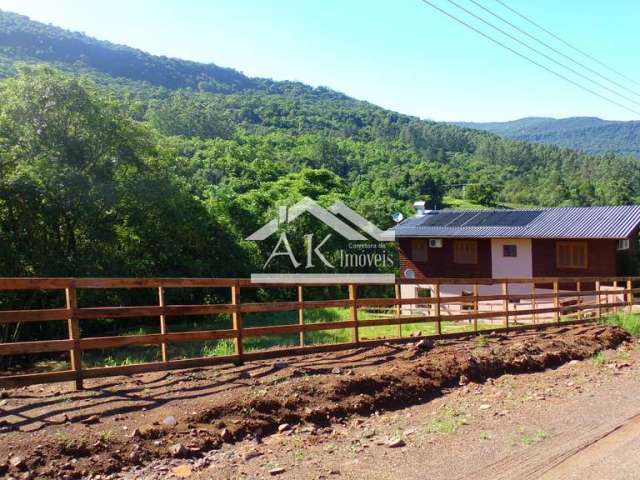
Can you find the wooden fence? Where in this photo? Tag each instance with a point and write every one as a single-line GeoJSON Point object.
{"type": "Point", "coordinates": [550, 301]}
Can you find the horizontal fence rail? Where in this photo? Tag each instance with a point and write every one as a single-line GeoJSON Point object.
{"type": "Point", "coordinates": [504, 304]}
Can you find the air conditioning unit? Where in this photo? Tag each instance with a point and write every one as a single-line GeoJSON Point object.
{"type": "Point", "coordinates": [624, 244]}
{"type": "Point", "coordinates": [435, 243]}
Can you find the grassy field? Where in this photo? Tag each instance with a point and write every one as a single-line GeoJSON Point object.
{"type": "Point", "coordinates": [132, 355]}
{"type": "Point", "coordinates": [457, 203]}
{"type": "Point", "coordinates": [629, 321]}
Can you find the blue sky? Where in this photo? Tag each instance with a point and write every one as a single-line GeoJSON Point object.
{"type": "Point", "coordinates": [400, 54]}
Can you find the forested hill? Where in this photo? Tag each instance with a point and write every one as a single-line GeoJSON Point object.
{"type": "Point", "coordinates": [23, 39]}
{"type": "Point", "coordinates": [588, 134]}
{"type": "Point", "coordinates": [117, 162]}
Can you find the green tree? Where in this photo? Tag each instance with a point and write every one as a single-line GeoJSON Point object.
{"type": "Point", "coordinates": [63, 148]}
{"type": "Point", "coordinates": [189, 115]}
{"type": "Point", "coordinates": [482, 193]}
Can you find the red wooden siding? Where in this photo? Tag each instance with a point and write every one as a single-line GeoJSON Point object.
{"type": "Point", "coordinates": [627, 260]}
{"type": "Point", "coordinates": [440, 261]}
{"type": "Point", "coordinates": [601, 259]}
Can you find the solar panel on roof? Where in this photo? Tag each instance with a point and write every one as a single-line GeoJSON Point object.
{"type": "Point", "coordinates": [440, 219]}
{"type": "Point", "coordinates": [481, 219]}
{"type": "Point", "coordinates": [503, 219]}
{"type": "Point", "coordinates": [461, 219]}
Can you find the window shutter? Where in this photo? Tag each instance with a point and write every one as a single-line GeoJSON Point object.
{"type": "Point", "coordinates": [419, 251]}
{"type": "Point", "coordinates": [465, 251]}
{"type": "Point", "coordinates": [571, 254]}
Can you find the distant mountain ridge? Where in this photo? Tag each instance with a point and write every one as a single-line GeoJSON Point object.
{"type": "Point", "coordinates": [245, 136]}
{"type": "Point", "coordinates": [22, 39]}
{"type": "Point", "coordinates": [588, 134]}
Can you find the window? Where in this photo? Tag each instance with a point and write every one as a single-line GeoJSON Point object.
{"type": "Point", "coordinates": [624, 244]}
{"type": "Point", "coordinates": [571, 254]}
{"type": "Point", "coordinates": [467, 304]}
{"type": "Point", "coordinates": [509, 250]}
{"type": "Point", "coordinates": [423, 293]}
{"type": "Point", "coordinates": [465, 251]}
{"type": "Point", "coordinates": [419, 250]}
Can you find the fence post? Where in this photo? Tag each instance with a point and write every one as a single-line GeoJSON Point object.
{"type": "Point", "coordinates": [237, 319]}
{"type": "Point", "coordinates": [301, 315]}
{"type": "Point", "coordinates": [475, 307]}
{"type": "Point", "coordinates": [505, 304]}
{"type": "Point", "coordinates": [398, 307]}
{"type": "Point", "coordinates": [534, 306]}
{"type": "Point", "coordinates": [74, 334]}
{"type": "Point", "coordinates": [623, 285]}
{"type": "Point", "coordinates": [163, 326]}
{"type": "Point", "coordinates": [599, 299]}
{"type": "Point", "coordinates": [579, 290]}
{"type": "Point", "coordinates": [438, 316]}
{"type": "Point", "coordinates": [353, 297]}
{"type": "Point", "coordinates": [630, 294]}
{"type": "Point", "coordinates": [556, 301]}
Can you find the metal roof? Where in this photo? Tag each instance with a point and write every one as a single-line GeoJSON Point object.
{"type": "Point", "coordinates": [565, 222]}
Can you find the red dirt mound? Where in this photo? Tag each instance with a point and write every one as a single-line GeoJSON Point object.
{"type": "Point", "coordinates": [416, 375]}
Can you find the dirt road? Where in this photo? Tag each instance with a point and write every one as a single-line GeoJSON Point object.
{"type": "Point", "coordinates": [611, 455]}
{"type": "Point", "coordinates": [594, 435]}
{"type": "Point", "coordinates": [580, 421]}
{"type": "Point", "coordinates": [576, 421]}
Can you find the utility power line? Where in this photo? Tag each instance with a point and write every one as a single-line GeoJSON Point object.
{"type": "Point", "coordinates": [542, 54]}
{"type": "Point", "coordinates": [553, 49]}
{"type": "Point", "coordinates": [567, 43]}
{"type": "Point", "coordinates": [525, 57]}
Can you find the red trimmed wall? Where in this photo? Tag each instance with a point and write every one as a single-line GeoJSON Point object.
{"type": "Point", "coordinates": [601, 260]}
{"type": "Point", "coordinates": [440, 261]}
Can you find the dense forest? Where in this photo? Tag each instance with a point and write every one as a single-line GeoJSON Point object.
{"type": "Point", "coordinates": [116, 162]}
{"type": "Point", "coordinates": [588, 134]}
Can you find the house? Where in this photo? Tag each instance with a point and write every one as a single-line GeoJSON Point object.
{"type": "Point", "coordinates": [525, 243]}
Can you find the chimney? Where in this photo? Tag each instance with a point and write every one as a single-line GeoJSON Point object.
{"type": "Point", "coordinates": [420, 207]}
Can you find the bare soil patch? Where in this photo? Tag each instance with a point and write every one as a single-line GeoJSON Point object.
{"type": "Point", "coordinates": [122, 426]}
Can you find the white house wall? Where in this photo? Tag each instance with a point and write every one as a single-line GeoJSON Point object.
{"type": "Point", "coordinates": [520, 266]}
